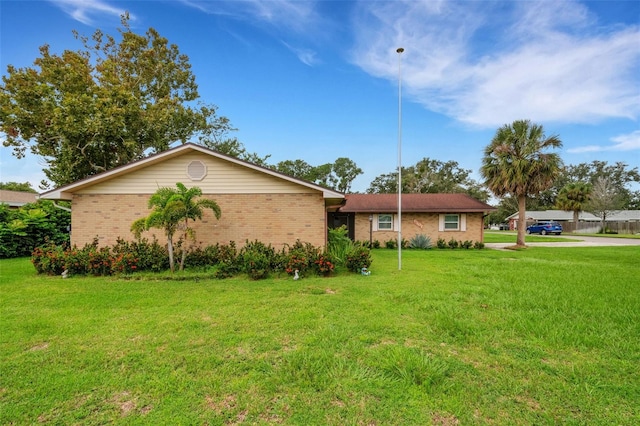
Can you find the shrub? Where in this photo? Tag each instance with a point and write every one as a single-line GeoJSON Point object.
{"type": "Point", "coordinates": [359, 257]}
{"type": "Point", "coordinates": [479, 245]}
{"type": "Point", "coordinates": [49, 259]}
{"type": "Point", "coordinates": [420, 241]}
{"type": "Point", "coordinates": [149, 255]}
{"type": "Point", "coordinates": [466, 244]}
{"type": "Point", "coordinates": [339, 244]}
{"type": "Point", "coordinates": [441, 243]}
{"type": "Point", "coordinates": [301, 257]}
{"type": "Point", "coordinates": [453, 243]}
{"type": "Point", "coordinates": [324, 264]}
{"type": "Point", "coordinates": [202, 257]}
{"type": "Point", "coordinates": [391, 244]}
{"type": "Point", "coordinates": [376, 244]}
{"type": "Point", "coordinates": [258, 259]}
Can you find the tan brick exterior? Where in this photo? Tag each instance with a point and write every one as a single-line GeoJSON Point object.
{"type": "Point", "coordinates": [421, 223]}
{"type": "Point", "coordinates": [275, 219]}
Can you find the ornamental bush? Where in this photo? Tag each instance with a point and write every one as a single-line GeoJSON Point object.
{"type": "Point", "coordinates": [359, 257]}
{"type": "Point", "coordinates": [420, 241]}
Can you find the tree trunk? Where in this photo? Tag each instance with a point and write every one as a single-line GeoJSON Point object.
{"type": "Point", "coordinates": [522, 220]}
{"type": "Point", "coordinates": [170, 250]}
{"type": "Point", "coordinates": [576, 215]}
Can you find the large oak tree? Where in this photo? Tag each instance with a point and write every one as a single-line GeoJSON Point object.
{"type": "Point", "coordinates": [109, 103]}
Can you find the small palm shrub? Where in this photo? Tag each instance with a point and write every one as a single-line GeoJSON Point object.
{"type": "Point", "coordinates": [391, 244]}
{"type": "Point", "coordinates": [441, 243]}
{"type": "Point", "coordinates": [453, 243]}
{"type": "Point", "coordinates": [420, 241]}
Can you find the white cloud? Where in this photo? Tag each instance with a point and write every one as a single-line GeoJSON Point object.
{"type": "Point", "coordinates": [628, 142]}
{"type": "Point", "coordinates": [86, 10]}
{"type": "Point", "coordinates": [487, 64]}
{"type": "Point", "coordinates": [287, 14]}
{"type": "Point", "coordinates": [306, 56]}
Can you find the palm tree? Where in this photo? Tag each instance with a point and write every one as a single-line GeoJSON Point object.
{"type": "Point", "coordinates": [516, 163]}
{"type": "Point", "coordinates": [574, 197]}
{"type": "Point", "coordinates": [172, 210]}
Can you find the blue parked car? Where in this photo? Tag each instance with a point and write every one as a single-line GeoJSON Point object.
{"type": "Point", "coordinates": [544, 228]}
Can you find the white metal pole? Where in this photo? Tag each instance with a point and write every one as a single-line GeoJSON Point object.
{"type": "Point", "coordinates": [399, 51]}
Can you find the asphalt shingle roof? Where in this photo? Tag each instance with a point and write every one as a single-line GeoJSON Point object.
{"type": "Point", "coordinates": [414, 203]}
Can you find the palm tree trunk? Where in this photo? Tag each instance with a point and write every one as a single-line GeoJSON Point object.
{"type": "Point", "coordinates": [170, 250]}
{"type": "Point", "coordinates": [522, 220]}
{"type": "Point", "coordinates": [576, 214]}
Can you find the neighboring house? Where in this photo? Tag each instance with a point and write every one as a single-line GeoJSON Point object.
{"type": "Point", "coordinates": [16, 199]}
{"type": "Point", "coordinates": [256, 203]}
{"type": "Point", "coordinates": [374, 216]}
{"type": "Point", "coordinates": [588, 223]}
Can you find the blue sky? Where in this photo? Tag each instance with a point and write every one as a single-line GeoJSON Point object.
{"type": "Point", "coordinates": [319, 80]}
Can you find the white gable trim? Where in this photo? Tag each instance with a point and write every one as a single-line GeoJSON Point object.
{"type": "Point", "coordinates": [66, 192]}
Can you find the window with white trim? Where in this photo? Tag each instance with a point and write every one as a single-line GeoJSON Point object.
{"type": "Point", "coordinates": [451, 222]}
{"type": "Point", "coordinates": [385, 222]}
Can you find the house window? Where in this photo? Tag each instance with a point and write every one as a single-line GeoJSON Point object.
{"type": "Point", "coordinates": [385, 222]}
{"type": "Point", "coordinates": [451, 222]}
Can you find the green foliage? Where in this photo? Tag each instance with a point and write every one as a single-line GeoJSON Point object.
{"type": "Point", "coordinates": [23, 229]}
{"type": "Point", "coordinates": [49, 259]}
{"type": "Point", "coordinates": [441, 243]}
{"type": "Point", "coordinates": [122, 257]}
{"type": "Point", "coordinates": [467, 244]}
{"type": "Point", "coordinates": [339, 243]}
{"type": "Point", "coordinates": [172, 211]}
{"type": "Point", "coordinates": [301, 258]}
{"type": "Point", "coordinates": [358, 257]}
{"type": "Point", "coordinates": [258, 259]}
{"type": "Point", "coordinates": [517, 162]}
{"type": "Point", "coordinates": [420, 241]}
{"type": "Point", "coordinates": [430, 176]}
{"type": "Point", "coordinates": [391, 244]}
{"type": "Point", "coordinates": [17, 186]}
{"type": "Point", "coordinates": [338, 175]}
{"type": "Point", "coordinates": [478, 245]}
{"type": "Point", "coordinates": [115, 100]}
{"type": "Point", "coordinates": [453, 243]}
{"type": "Point", "coordinates": [324, 264]}
{"type": "Point", "coordinates": [148, 255]}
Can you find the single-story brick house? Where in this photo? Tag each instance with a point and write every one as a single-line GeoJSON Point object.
{"type": "Point", "coordinates": [257, 203]}
{"type": "Point", "coordinates": [447, 216]}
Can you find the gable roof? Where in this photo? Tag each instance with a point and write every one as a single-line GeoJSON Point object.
{"type": "Point", "coordinates": [17, 198]}
{"type": "Point", "coordinates": [414, 203]}
{"type": "Point", "coordinates": [65, 192]}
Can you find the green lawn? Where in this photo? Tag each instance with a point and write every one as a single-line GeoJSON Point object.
{"type": "Point", "coordinates": [511, 237]}
{"type": "Point", "coordinates": [539, 336]}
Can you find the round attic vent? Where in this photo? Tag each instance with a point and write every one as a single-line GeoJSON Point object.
{"type": "Point", "coordinates": [196, 170]}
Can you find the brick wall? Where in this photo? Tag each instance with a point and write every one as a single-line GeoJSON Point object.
{"type": "Point", "coordinates": [277, 219]}
{"type": "Point", "coordinates": [420, 223]}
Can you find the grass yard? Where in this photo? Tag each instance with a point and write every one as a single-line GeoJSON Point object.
{"type": "Point", "coordinates": [539, 336]}
{"type": "Point", "coordinates": [511, 237]}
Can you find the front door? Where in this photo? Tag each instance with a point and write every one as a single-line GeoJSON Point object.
{"type": "Point", "coordinates": [337, 219]}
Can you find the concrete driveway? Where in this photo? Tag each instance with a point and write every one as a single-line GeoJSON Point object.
{"type": "Point", "coordinates": [584, 242]}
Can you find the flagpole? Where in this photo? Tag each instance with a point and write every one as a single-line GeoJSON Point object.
{"type": "Point", "coordinates": [399, 51]}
